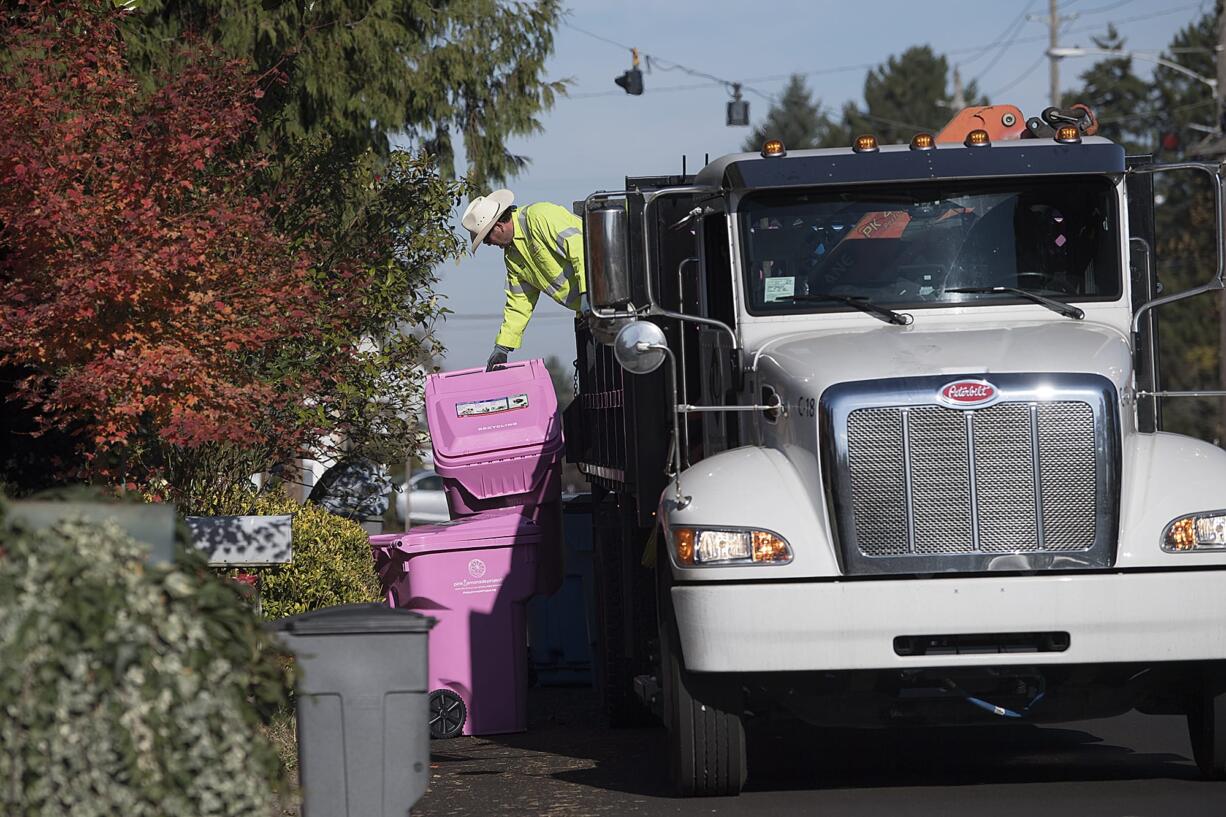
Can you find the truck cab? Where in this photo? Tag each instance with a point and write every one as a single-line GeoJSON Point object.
{"type": "Point", "coordinates": [874, 435]}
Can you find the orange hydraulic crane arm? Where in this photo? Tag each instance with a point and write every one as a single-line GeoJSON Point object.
{"type": "Point", "coordinates": [1005, 122]}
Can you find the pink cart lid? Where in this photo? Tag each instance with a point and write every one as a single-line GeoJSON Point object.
{"type": "Point", "coordinates": [510, 411]}
{"type": "Point", "coordinates": [500, 528]}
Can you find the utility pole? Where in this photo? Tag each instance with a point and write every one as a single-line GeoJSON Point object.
{"type": "Point", "coordinates": [959, 100]}
{"type": "Point", "coordinates": [1053, 16]}
{"type": "Point", "coordinates": [1053, 21]}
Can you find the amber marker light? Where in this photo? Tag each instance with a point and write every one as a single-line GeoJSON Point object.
{"type": "Point", "coordinates": [865, 144]}
{"type": "Point", "coordinates": [923, 141]}
{"type": "Point", "coordinates": [1196, 533]}
{"type": "Point", "coordinates": [978, 138]}
{"type": "Point", "coordinates": [683, 544]}
{"type": "Point", "coordinates": [1068, 135]}
{"type": "Point", "coordinates": [1181, 535]}
{"type": "Point", "coordinates": [773, 147]}
{"type": "Point", "coordinates": [767, 547]}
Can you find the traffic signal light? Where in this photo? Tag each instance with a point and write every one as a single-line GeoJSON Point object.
{"type": "Point", "coordinates": [631, 81]}
{"type": "Point", "coordinates": [738, 109]}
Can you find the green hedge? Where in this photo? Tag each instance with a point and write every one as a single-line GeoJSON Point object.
{"type": "Point", "coordinates": [332, 562]}
{"type": "Point", "coordinates": [128, 688]}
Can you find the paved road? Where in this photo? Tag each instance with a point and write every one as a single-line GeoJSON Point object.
{"type": "Point", "coordinates": [1132, 766]}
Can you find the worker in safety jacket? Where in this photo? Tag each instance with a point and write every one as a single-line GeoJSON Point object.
{"type": "Point", "coordinates": [542, 245]}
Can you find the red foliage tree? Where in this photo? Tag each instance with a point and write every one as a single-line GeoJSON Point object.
{"type": "Point", "coordinates": [141, 279]}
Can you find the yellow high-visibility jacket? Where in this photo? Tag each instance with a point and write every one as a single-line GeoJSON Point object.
{"type": "Point", "coordinates": [546, 255]}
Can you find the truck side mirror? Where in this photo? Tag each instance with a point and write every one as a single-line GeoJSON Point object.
{"type": "Point", "coordinates": [640, 347]}
{"type": "Point", "coordinates": [607, 263]}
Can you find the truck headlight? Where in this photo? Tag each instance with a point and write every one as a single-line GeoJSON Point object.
{"type": "Point", "coordinates": [694, 547]}
{"type": "Point", "coordinates": [1198, 531]}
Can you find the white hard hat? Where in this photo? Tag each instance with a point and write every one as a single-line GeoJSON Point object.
{"type": "Point", "coordinates": [482, 214]}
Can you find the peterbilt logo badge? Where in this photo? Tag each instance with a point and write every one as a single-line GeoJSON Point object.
{"type": "Point", "coordinates": [967, 393]}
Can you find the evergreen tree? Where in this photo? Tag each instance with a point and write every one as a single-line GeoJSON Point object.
{"type": "Point", "coordinates": [1121, 99]}
{"type": "Point", "coordinates": [356, 74]}
{"type": "Point", "coordinates": [904, 95]}
{"type": "Point", "coordinates": [1137, 114]}
{"type": "Point", "coordinates": [1190, 331]}
{"type": "Point", "coordinates": [1181, 100]}
{"type": "Point", "coordinates": [798, 120]}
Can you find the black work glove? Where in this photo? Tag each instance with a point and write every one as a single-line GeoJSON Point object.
{"type": "Point", "coordinates": [498, 357]}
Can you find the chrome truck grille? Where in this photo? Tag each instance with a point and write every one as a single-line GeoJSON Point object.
{"type": "Point", "coordinates": [1022, 475]}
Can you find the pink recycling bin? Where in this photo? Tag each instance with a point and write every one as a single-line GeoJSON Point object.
{"type": "Point", "coordinates": [498, 444]}
{"type": "Point", "coordinates": [474, 576]}
{"type": "Point", "coordinates": [498, 447]}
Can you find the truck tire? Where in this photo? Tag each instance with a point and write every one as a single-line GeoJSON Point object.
{"type": "Point", "coordinates": [706, 732]}
{"type": "Point", "coordinates": [706, 743]}
{"type": "Point", "coordinates": [1207, 729]}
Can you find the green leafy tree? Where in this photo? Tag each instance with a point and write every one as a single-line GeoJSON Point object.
{"type": "Point", "coordinates": [905, 94]}
{"type": "Point", "coordinates": [798, 119]}
{"type": "Point", "coordinates": [1122, 101]}
{"type": "Point", "coordinates": [361, 73]}
{"type": "Point", "coordinates": [190, 307]}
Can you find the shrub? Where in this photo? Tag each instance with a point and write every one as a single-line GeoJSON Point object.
{"type": "Point", "coordinates": [129, 688]}
{"type": "Point", "coordinates": [332, 562]}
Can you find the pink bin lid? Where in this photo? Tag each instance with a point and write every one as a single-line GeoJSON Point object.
{"type": "Point", "coordinates": [474, 414]}
{"type": "Point", "coordinates": [490, 529]}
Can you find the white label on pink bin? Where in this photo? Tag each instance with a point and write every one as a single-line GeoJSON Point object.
{"type": "Point", "coordinates": [474, 587]}
{"type": "Point", "coordinates": [494, 404]}
{"type": "Point", "coordinates": [475, 583]}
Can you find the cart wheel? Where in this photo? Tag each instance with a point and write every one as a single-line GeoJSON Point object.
{"type": "Point", "coordinates": [447, 714]}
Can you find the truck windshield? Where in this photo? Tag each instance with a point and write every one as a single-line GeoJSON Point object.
{"type": "Point", "coordinates": [913, 246]}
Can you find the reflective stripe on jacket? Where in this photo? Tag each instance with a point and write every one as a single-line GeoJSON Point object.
{"type": "Point", "coordinates": [546, 255]}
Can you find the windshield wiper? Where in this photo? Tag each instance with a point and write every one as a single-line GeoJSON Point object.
{"type": "Point", "coordinates": [1067, 310]}
{"type": "Point", "coordinates": [856, 302]}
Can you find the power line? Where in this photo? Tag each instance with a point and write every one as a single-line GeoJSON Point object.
{"type": "Point", "coordinates": [667, 88]}
{"type": "Point", "coordinates": [1010, 33]}
{"type": "Point", "coordinates": [973, 49]}
{"type": "Point", "coordinates": [1101, 9]}
{"type": "Point", "coordinates": [595, 36]}
{"type": "Point", "coordinates": [667, 65]}
{"type": "Point", "coordinates": [1135, 19]}
{"type": "Point", "coordinates": [1029, 69]}
{"type": "Point", "coordinates": [1163, 114]}
{"type": "Point", "coordinates": [880, 119]}
{"type": "Point", "coordinates": [1000, 53]}
{"type": "Point", "coordinates": [864, 66]}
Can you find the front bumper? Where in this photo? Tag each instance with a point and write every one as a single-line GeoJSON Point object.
{"type": "Point", "coordinates": [847, 625]}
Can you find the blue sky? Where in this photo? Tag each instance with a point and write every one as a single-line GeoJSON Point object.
{"type": "Point", "coordinates": [599, 135]}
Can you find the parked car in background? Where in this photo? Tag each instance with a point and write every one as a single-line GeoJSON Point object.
{"type": "Point", "coordinates": [423, 500]}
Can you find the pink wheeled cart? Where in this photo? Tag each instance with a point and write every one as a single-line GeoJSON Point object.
{"type": "Point", "coordinates": [498, 446]}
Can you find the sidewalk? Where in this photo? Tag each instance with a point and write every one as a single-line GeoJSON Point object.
{"type": "Point", "coordinates": [565, 765]}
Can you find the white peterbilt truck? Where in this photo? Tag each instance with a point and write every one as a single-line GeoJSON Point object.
{"type": "Point", "coordinates": [874, 438]}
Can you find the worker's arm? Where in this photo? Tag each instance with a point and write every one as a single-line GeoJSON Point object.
{"type": "Point", "coordinates": [521, 300]}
